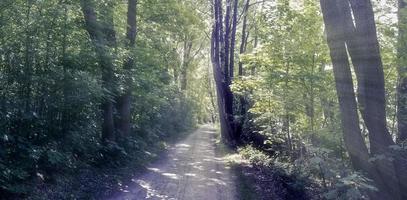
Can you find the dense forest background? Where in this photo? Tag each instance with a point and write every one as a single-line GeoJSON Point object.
{"type": "Point", "coordinates": [312, 93]}
{"type": "Point", "coordinates": [85, 86]}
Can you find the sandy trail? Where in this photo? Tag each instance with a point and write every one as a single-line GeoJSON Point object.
{"type": "Point", "coordinates": [190, 171]}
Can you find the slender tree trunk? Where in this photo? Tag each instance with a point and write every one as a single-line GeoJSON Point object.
{"type": "Point", "coordinates": [311, 111]}
{"type": "Point", "coordinates": [211, 95]}
{"type": "Point", "coordinates": [29, 61]}
{"type": "Point", "coordinates": [233, 41]}
{"type": "Point", "coordinates": [225, 58]}
{"type": "Point", "coordinates": [65, 121]}
{"type": "Point", "coordinates": [101, 39]}
{"type": "Point", "coordinates": [286, 120]}
{"type": "Point", "coordinates": [243, 103]}
{"type": "Point", "coordinates": [124, 101]}
{"type": "Point", "coordinates": [227, 41]}
{"type": "Point", "coordinates": [185, 63]}
{"type": "Point", "coordinates": [243, 43]}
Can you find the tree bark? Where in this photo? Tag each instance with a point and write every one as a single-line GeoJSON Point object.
{"type": "Point", "coordinates": [243, 43]}
{"type": "Point", "coordinates": [227, 40]}
{"type": "Point", "coordinates": [402, 72]}
{"type": "Point", "coordinates": [225, 59]}
{"type": "Point", "coordinates": [26, 89]}
{"type": "Point", "coordinates": [361, 42]}
{"type": "Point", "coordinates": [125, 100]}
{"type": "Point", "coordinates": [222, 86]}
{"type": "Point", "coordinates": [100, 39]}
{"type": "Point", "coordinates": [354, 141]}
{"type": "Point", "coordinates": [233, 41]}
{"type": "Point", "coordinates": [365, 54]}
{"type": "Point", "coordinates": [363, 45]}
{"type": "Point", "coordinates": [185, 63]}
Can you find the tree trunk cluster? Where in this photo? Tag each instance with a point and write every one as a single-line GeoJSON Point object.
{"type": "Point", "coordinates": [351, 30]}
{"type": "Point", "coordinates": [223, 55]}
{"type": "Point", "coordinates": [103, 37]}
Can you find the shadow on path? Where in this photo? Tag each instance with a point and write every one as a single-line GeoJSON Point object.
{"type": "Point", "coordinates": [190, 171]}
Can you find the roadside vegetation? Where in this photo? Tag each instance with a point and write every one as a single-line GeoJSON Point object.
{"type": "Point", "coordinates": [311, 96]}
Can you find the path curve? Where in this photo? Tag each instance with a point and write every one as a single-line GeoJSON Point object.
{"type": "Point", "coordinates": [190, 171]}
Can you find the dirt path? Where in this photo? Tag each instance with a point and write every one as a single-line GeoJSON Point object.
{"type": "Point", "coordinates": [190, 171]}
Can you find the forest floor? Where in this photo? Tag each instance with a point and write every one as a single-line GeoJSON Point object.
{"type": "Point", "coordinates": [191, 170]}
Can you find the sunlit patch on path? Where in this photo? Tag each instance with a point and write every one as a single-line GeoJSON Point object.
{"type": "Point", "coordinates": [190, 171]}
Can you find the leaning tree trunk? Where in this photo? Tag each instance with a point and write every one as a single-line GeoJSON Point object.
{"type": "Point", "coordinates": [365, 54]}
{"type": "Point", "coordinates": [366, 58]}
{"type": "Point", "coordinates": [361, 42]}
{"type": "Point", "coordinates": [354, 141]}
{"type": "Point", "coordinates": [124, 101]}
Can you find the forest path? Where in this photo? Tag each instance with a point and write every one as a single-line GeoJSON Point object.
{"type": "Point", "coordinates": [191, 170]}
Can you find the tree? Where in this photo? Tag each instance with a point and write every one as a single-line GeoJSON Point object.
{"type": "Point", "coordinates": [402, 71]}
{"type": "Point", "coordinates": [362, 44]}
{"type": "Point", "coordinates": [223, 58]}
{"type": "Point", "coordinates": [124, 100]}
{"type": "Point", "coordinates": [103, 37]}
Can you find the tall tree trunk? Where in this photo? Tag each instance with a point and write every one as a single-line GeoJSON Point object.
{"type": "Point", "coordinates": [222, 87]}
{"type": "Point", "coordinates": [124, 100]}
{"type": "Point", "coordinates": [29, 61]}
{"type": "Point", "coordinates": [364, 50]}
{"type": "Point", "coordinates": [185, 63]}
{"type": "Point", "coordinates": [353, 139]}
{"type": "Point", "coordinates": [365, 54]}
{"type": "Point", "coordinates": [230, 95]}
{"type": "Point", "coordinates": [311, 104]}
{"type": "Point", "coordinates": [243, 45]}
{"type": "Point", "coordinates": [101, 39]}
{"type": "Point", "coordinates": [227, 40]}
{"type": "Point", "coordinates": [245, 34]}
{"type": "Point", "coordinates": [286, 118]}
{"type": "Point", "coordinates": [361, 42]}
{"type": "Point", "coordinates": [402, 71]}
{"type": "Point", "coordinates": [65, 119]}
{"type": "Point", "coordinates": [227, 70]}
{"type": "Point", "coordinates": [211, 95]}
{"type": "Point", "coordinates": [233, 40]}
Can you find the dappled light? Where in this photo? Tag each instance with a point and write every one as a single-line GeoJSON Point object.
{"type": "Point", "coordinates": [203, 99]}
{"type": "Point", "coordinates": [196, 174]}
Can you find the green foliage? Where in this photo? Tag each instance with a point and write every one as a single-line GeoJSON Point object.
{"type": "Point", "coordinates": [255, 156]}
{"type": "Point", "coordinates": [352, 186]}
{"type": "Point", "coordinates": [290, 91]}
{"type": "Point", "coordinates": [52, 89]}
{"type": "Point", "coordinates": [288, 183]}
